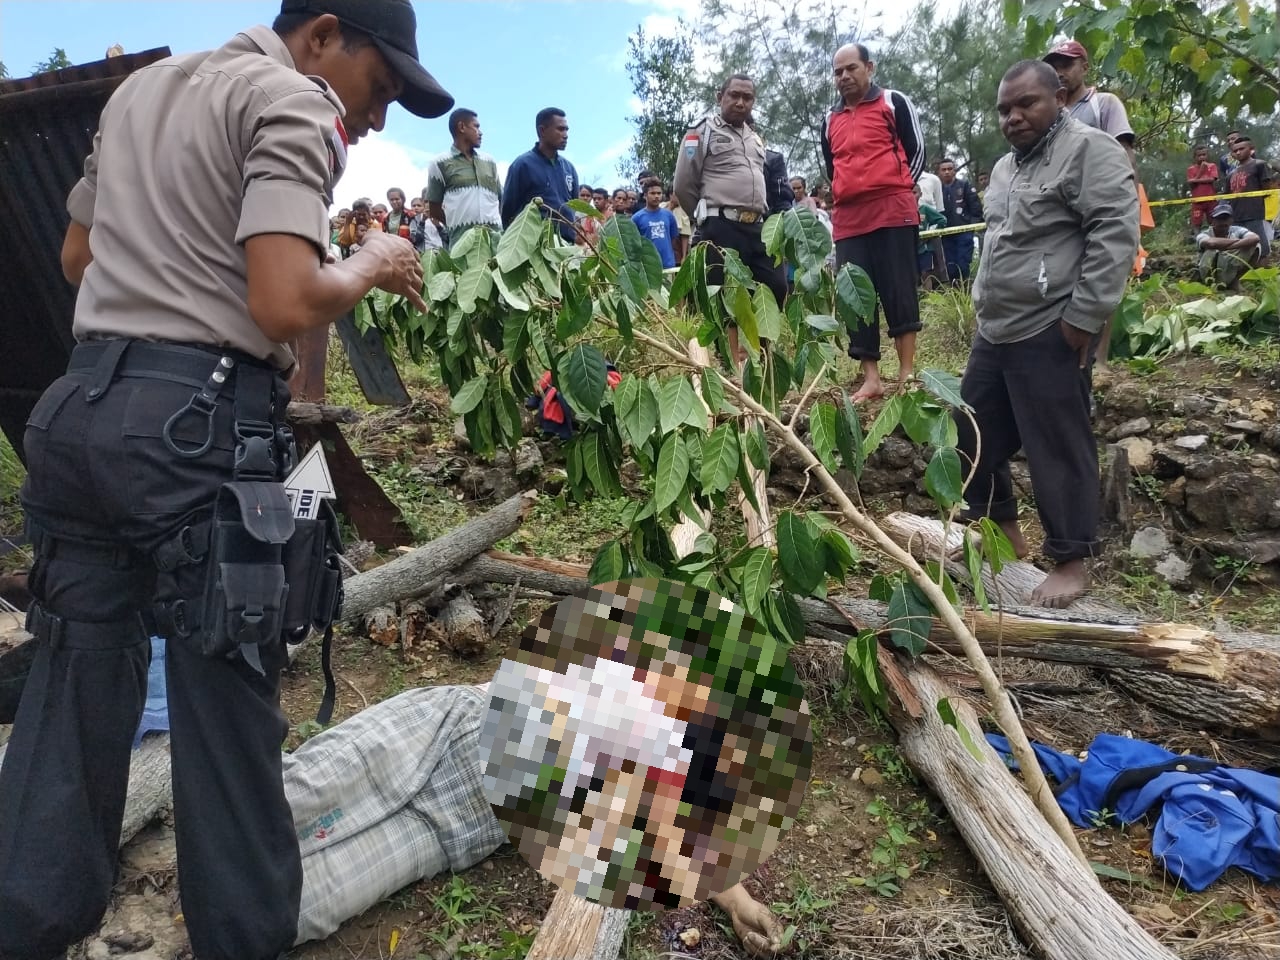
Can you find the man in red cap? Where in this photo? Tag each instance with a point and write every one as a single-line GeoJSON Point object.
{"type": "Point", "coordinates": [155, 499]}
{"type": "Point", "coordinates": [1087, 104]}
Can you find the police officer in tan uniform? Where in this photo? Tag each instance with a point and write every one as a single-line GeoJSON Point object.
{"type": "Point", "coordinates": [721, 164]}
{"type": "Point", "coordinates": [199, 240]}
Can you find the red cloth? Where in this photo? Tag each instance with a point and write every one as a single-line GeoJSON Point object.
{"type": "Point", "coordinates": [872, 184]}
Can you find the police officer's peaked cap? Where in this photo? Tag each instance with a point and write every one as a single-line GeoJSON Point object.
{"type": "Point", "coordinates": [394, 30]}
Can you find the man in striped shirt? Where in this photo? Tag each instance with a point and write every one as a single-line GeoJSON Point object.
{"type": "Point", "coordinates": [463, 190]}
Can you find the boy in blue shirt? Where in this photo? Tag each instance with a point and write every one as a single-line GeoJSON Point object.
{"type": "Point", "coordinates": [657, 223]}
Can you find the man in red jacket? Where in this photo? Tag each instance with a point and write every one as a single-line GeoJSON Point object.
{"type": "Point", "coordinates": [874, 151]}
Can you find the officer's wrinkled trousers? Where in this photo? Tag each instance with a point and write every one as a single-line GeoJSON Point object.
{"type": "Point", "coordinates": [102, 493]}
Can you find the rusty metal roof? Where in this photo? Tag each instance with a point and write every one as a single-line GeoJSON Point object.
{"type": "Point", "coordinates": [47, 123]}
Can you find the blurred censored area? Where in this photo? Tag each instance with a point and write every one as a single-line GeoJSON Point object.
{"type": "Point", "coordinates": [646, 744]}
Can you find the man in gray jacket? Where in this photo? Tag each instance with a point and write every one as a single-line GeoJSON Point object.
{"type": "Point", "coordinates": [1062, 232]}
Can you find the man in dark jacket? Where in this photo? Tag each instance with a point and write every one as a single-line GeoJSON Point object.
{"type": "Point", "coordinates": [961, 207]}
{"type": "Point", "coordinates": [777, 186]}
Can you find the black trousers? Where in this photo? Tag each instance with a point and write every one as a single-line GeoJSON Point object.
{"type": "Point", "coordinates": [889, 257]}
{"type": "Point", "coordinates": [102, 493]}
{"type": "Point", "coordinates": [1032, 395]}
{"type": "Point", "coordinates": [746, 239]}
{"type": "Point", "coordinates": [959, 250]}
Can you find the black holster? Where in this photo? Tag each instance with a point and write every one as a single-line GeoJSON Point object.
{"type": "Point", "coordinates": [246, 589]}
{"type": "Point", "coordinates": [313, 574]}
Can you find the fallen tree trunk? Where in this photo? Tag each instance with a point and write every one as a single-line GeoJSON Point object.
{"type": "Point", "coordinates": [1031, 632]}
{"type": "Point", "coordinates": [1243, 697]}
{"type": "Point", "coordinates": [1054, 900]}
{"type": "Point", "coordinates": [463, 626]}
{"type": "Point", "coordinates": [577, 929]}
{"type": "Point", "coordinates": [411, 574]}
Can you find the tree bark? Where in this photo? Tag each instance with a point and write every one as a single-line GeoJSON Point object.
{"type": "Point", "coordinates": [464, 627]}
{"type": "Point", "coordinates": [577, 929]}
{"type": "Point", "coordinates": [314, 414]}
{"type": "Point", "coordinates": [1244, 697]}
{"type": "Point", "coordinates": [1053, 899]}
{"type": "Point", "coordinates": [413, 573]}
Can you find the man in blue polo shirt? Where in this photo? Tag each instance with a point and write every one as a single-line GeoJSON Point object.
{"type": "Point", "coordinates": [543, 172]}
{"type": "Point", "coordinates": [657, 223]}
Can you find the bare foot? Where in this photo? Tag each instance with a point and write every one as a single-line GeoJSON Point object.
{"type": "Point", "coordinates": [1066, 583]}
{"type": "Point", "coordinates": [872, 389]}
{"type": "Point", "coordinates": [753, 922]}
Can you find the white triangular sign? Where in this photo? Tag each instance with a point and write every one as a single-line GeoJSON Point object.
{"type": "Point", "coordinates": [309, 483]}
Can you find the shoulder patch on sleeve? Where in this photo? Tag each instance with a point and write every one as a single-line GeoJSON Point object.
{"type": "Point", "coordinates": [691, 141]}
{"type": "Point", "coordinates": [337, 150]}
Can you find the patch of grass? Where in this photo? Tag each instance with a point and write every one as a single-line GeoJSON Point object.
{"type": "Point", "coordinates": [559, 527]}
{"type": "Point", "coordinates": [805, 914]}
{"type": "Point", "coordinates": [639, 924]}
{"type": "Point", "coordinates": [459, 906]}
{"type": "Point", "coordinates": [890, 763]}
{"type": "Point", "coordinates": [429, 510]}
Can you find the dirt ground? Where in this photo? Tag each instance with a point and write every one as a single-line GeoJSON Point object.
{"type": "Point", "coordinates": [873, 867]}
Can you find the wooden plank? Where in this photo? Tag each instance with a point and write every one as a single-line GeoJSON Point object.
{"type": "Point", "coordinates": [374, 369]}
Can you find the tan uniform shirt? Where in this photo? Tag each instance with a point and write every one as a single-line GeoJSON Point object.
{"type": "Point", "coordinates": [194, 155]}
{"type": "Point", "coordinates": [721, 164]}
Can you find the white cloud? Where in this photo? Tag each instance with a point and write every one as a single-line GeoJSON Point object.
{"type": "Point", "coordinates": [603, 167]}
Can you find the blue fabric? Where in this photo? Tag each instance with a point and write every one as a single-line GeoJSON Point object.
{"type": "Point", "coordinates": [532, 175]}
{"type": "Point", "coordinates": [155, 715]}
{"type": "Point", "coordinates": [1208, 817]}
{"type": "Point", "coordinates": [659, 226]}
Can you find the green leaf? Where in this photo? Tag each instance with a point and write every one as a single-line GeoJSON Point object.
{"type": "Point", "coordinates": [757, 447]}
{"type": "Point", "coordinates": [740, 308]}
{"type": "Point", "coordinates": [945, 386]}
{"type": "Point", "coordinates": [637, 409]}
{"type": "Point", "coordinates": [855, 297]}
{"type": "Point", "coordinates": [693, 269]}
{"type": "Point", "coordinates": [609, 564]}
{"type": "Point", "coordinates": [909, 618]}
{"type": "Point", "coordinates": [474, 286]}
{"type": "Point", "coordinates": [511, 292]}
{"type": "Point", "coordinates": [713, 392]}
{"type": "Point", "coordinates": [798, 554]}
{"type": "Point", "coordinates": [881, 589]}
{"type": "Point", "coordinates": [639, 268]}
{"type": "Point", "coordinates": [537, 340]}
{"type": "Point", "coordinates": [673, 471]}
{"type": "Point", "coordinates": [574, 315]}
{"type": "Point", "coordinates": [885, 423]}
{"type": "Point", "coordinates": [973, 563]}
{"type": "Point", "coordinates": [822, 323]}
{"type": "Point", "coordinates": [677, 404]}
{"type": "Point", "coordinates": [599, 465]}
{"type": "Point", "coordinates": [839, 554]}
{"type": "Point", "coordinates": [862, 664]}
{"type": "Point", "coordinates": [1115, 873]}
{"type": "Point", "coordinates": [584, 208]}
{"type": "Point", "coordinates": [807, 242]}
{"type": "Point", "coordinates": [783, 614]}
{"type": "Point", "coordinates": [948, 714]}
{"type": "Point", "coordinates": [720, 458]}
{"type": "Point", "coordinates": [926, 422]}
{"type": "Point", "coordinates": [996, 547]}
{"type": "Point", "coordinates": [515, 336]}
{"type": "Point", "coordinates": [748, 490]}
{"type": "Point", "coordinates": [943, 478]}
{"type": "Point", "coordinates": [441, 286]}
{"type": "Point", "coordinates": [469, 397]}
{"type": "Point", "coordinates": [768, 316]}
{"type": "Point", "coordinates": [822, 430]}
{"type": "Point", "coordinates": [849, 438]}
{"type": "Point", "coordinates": [519, 240]}
{"type": "Point", "coordinates": [582, 371]}
{"type": "Point", "coordinates": [772, 236]}
{"type": "Point", "coordinates": [757, 576]}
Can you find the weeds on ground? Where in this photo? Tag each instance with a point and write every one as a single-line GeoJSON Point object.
{"type": "Point", "coordinates": [805, 914]}
{"type": "Point", "coordinates": [458, 906]}
{"type": "Point", "coordinates": [889, 852]}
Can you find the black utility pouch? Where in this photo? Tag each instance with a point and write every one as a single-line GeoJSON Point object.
{"type": "Point", "coordinates": [246, 589]}
{"type": "Point", "coordinates": [313, 573]}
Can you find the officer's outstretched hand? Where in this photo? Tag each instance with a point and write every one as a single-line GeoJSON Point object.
{"type": "Point", "coordinates": [401, 270]}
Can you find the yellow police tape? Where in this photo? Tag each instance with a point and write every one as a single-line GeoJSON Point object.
{"type": "Point", "coordinates": [1270, 209]}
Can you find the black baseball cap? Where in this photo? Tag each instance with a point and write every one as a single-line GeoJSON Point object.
{"type": "Point", "coordinates": [393, 28]}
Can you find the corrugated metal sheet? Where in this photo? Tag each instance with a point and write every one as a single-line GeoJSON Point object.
{"type": "Point", "coordinates": [47, 123]}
